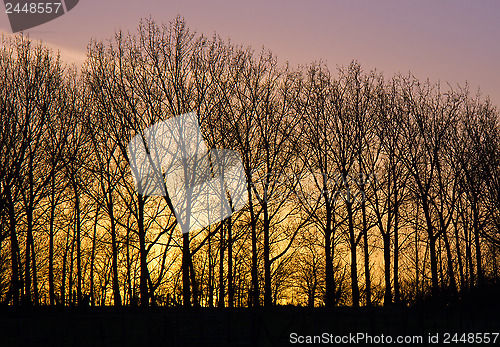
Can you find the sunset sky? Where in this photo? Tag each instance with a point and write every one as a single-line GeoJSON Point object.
{"type": "Point", "coordinates": [451, 41]}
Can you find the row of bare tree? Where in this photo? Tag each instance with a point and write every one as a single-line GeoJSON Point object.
{"type": "Point", "coordinates": [361, 189]}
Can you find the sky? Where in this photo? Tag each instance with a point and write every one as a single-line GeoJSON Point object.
{"type": "Point", "coordinates": [451, 41]}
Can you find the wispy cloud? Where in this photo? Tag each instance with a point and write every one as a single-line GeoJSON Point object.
{"type": "Point", "coordinates": [69, 56]}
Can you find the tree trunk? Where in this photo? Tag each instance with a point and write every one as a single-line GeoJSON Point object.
{"type": "Point", "coordinates": [459, 257]}
{"type": "Point", "coordinates": [220, 302]}
{"type": "Point", "coordinates": [210, 274]}
{"type": "Point", "coordinates": [434, 266]}
{"type": "Point", "coordinates": [143, 254]}
{"type": "Point", "coordinates": [52, 296]}
{"type": "Point", "coordinates": [36, 299]}
{"type": "Point", "coordinates": [354, 261]}
{"type": "Point", "coordinates": [14, 249]}
{"type": "Point", "coordinates": [329, 279]}
{"type": "Point", "coordinates": [114, 250]}
{"type": "Point", "coordinates": [92, 259]}
{"type": "Point", "coordinates": [397, 295]}
{"type": "Point", "coordinates": [268, 300]}
{"type": "Point", "coordinates": [29, 241]}
{"type": "Point", "coordinates": [432, 248]}
{"type": "Point", "coordinates": [78, 228]}
{"type": "Point", "coordinates": [368, 282]}
{"type": "Point", "coordinates": [449, 262]}
{"type": "Point", "coordinates": [186, 255]}
{"type": "Point", "coordinates": [64, 266]}
{"type": "Point", "coordinates": [71, 267]}
{"type": "Point", "coordinates": [387, 267]}
{"type": "Point", "coordinates": [477, 246]}
{"type": "Point", "coordinates": [230, 289]}
{"type": "Point", "coordinates": [254, 289]}
{"type": "Point", "coordinates": [194, 283]}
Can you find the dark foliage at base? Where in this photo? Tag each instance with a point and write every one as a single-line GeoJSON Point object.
{"type": "Point", "coordinates": [156, 326]}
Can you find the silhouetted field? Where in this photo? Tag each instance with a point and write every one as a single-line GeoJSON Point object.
{"type": "Point", "coordinates": [110, 326]}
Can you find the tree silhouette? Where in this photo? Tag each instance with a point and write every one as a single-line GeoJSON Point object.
{"type": "Point", "coordinates": [361, 190]}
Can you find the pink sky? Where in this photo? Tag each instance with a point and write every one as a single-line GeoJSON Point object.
{"type": "Point", "coordinates": [447, 40]}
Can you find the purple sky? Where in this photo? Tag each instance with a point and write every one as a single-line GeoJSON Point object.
{"type": "Point", "coordinates": [446, 40]}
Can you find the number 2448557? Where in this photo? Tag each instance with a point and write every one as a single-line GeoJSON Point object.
{"type": "Point", "coordinates": [45, 7]}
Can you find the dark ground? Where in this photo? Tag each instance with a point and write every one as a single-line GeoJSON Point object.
{"type": "Point", "coordinates": [109, 326]}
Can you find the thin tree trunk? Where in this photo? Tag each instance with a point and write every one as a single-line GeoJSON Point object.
{"type": "Point", "coordinates": [78, 245]}
{"type": "Point", "coordinates": [477, 246]}
{"type": "Point", "coordinates": [354, 260]}
{"type": "Point", "coordinates": [29, 238]}
{"type": "Point", "coordinates": [329, 279]}
{"type": "Point", "coordinates": [14, 248]}
{"type": "Point", "coordinates": [194, 283]}
{"type": "Point", "coordinates": [221, 303]}
{"type": "Point", "coordinates": [70, 284]}
{"type": "Point", "coordinates": [368, 282]}
{"type": "Point", "coordinates": [63, 279]}
{"type": "Point", "coordinates": [210, 273]}
{"type": "Point", "coordinates": [254, 289]}
{"type": "Point", "coordinates": [230, 289]}
{"type": "Point", "coordinates": [397, 295]}
{"type": "Point", "coordinates": [129, 265]}
{"type": "Point", "coordinates": [432, 248]}
{"type": "Point", "coordinates": [36, 299]}
{"type": "Point", "coordinates": [52, 296]}
{"type": "Point", "coordinates": [186, 290]}
{"type": "Point", "coordinates": [268, 301]}
{"type": "Point", "coordinates": [434, 266]}
{"type": "Point", "coordinates": [114, 250]}
{"type": "Point", "coordinates": [387, 267]}
{"type": "Point", "coordinates": [468, 255]}
{"type": "Point", "coordinates": [459, 257]}
{"type": "Point", "coordinates": [92, 258]}
{"type": "Point", "coordinates": [143, 254]}
{"type": "Point", "coordinates": [451, 272]}
{"type": "Point", "coordinates": [417, 273]}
